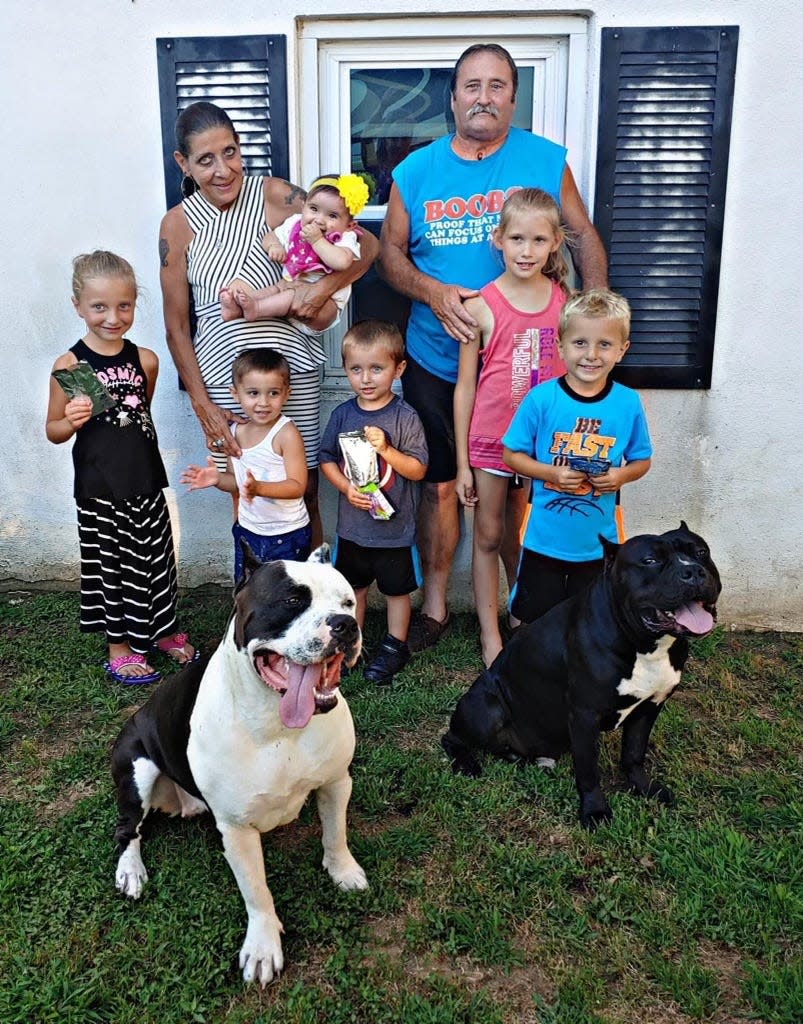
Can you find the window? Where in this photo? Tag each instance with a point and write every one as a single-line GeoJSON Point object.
{"type": "Point", "coordinates": [379, 88]}
{"type": "Point", "coordinates": [396, 110]}
{"type": "Point", "coordinates": [662, 162]}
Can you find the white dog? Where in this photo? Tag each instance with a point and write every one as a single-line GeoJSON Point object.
{"type": "Point", "coordinates": [249, 735]}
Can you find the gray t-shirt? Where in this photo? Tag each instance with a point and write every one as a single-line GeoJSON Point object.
{"type": "Point", "coordinates": [404, 432]}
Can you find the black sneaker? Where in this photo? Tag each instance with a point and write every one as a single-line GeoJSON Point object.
{"type": "Point", "coordinates": [391, 657]}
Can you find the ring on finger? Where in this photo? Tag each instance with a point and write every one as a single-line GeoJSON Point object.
{"type": "Point", "coordinates": [217, 443]}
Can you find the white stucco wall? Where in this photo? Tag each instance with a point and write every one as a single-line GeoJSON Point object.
{"type": "Point", "coordinates": [82, 169]}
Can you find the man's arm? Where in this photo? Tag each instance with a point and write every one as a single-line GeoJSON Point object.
{"type": "Point", "coordinates": [445, 300]}
{"type": "Point", "coordinates": [585, 243]}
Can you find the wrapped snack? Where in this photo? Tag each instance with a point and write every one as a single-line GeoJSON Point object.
{"type": "Point", "coordinates": [591, 467]}
{"type": "Point", "coordinates": [80, 380]}
{"type": "Point", "coordinates": [362, 468]}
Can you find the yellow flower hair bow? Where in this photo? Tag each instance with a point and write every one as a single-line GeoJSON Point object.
{"type": "Point", "coordinates": [352, 188]}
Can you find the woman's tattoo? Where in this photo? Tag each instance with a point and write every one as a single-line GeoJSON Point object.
{"type": "Point", "coordinates": [294, 193]}
{"type": "Point", "coordinates": [164, 249]}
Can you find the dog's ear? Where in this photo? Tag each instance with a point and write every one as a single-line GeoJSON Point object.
{"type": "Point", "coordinates": [323, 554]}
{"type": "Point", "coordinates": [250, 562]}
{"type": "Point", "coordinates": [609, 551]}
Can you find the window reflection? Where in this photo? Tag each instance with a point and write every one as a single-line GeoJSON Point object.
{"type": "Point", "coordinates": [397, 110]}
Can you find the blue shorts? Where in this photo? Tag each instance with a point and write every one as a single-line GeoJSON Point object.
{"type": "Point", "coordinates": [291, 547]}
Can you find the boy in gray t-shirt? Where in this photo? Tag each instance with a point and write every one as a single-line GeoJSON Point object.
{"type": "Point", "coordinates": [369, 549]}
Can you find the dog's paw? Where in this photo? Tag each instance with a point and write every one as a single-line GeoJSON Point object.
{"type": "Point", "coordinates": [131, 875]}
{"type": "Point", "coordinates": [594, 819]}
{"type": "Point", "coordinates": [663, 794]}
{"type": "Point", "coordinates": [346, 874]}
{"type": "Point", "coordinates": [463, 761]}
{"type": "Point", "coordinates": [261, 957]}
{"type": "Point", "coordinates": [641, 785]}
{"type": "Point", "coordinates": [595, 811]}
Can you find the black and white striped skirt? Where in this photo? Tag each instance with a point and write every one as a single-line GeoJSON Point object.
{"type": "Point", "coordinates": [128, 570]}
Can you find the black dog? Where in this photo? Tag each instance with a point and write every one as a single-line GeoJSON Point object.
{"type": "Point", "coordinates": [608, 657]}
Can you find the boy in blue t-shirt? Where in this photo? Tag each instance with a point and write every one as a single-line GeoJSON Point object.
{"type": "Point", "coordinates": [369, 549]}
{"type": "Point", "coordinates": [579, 437]}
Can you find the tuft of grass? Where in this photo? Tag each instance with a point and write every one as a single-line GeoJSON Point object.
{"type": "Point", "coordinates": [775, 987]}
{"type": "Point", "coordinates": [488, 903]}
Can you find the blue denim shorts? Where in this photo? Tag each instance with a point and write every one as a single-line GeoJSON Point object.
{"type": "Point", "coordinates": [291, 547]}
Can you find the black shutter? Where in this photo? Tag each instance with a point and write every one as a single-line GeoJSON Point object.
{"type": "Point", "coordinates": [247, 77]}
{"type": "Point", "coordinates": [662, 160]}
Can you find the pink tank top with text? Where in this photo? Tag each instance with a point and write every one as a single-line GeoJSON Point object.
{"type": "Point", "coordinates": [522, 352]}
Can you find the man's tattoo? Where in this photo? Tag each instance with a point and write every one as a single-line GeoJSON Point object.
{"type": "Point", "coordinates": [164, 249]}
{"type": "Point", "coordinates": [294, 193]}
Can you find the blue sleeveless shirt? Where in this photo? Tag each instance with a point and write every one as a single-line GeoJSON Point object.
{"type": "Point", "coordinates": [454, 205]}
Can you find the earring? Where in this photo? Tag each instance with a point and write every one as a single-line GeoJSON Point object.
{"type": "Point", "coordinates": [188, 186]}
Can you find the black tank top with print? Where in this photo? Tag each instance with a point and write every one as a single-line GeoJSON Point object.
{"type": "Point", "coordinates": [116, 454]}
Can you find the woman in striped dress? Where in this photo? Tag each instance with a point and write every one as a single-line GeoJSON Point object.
{"type": "Point", "coordinates": [213, 236]}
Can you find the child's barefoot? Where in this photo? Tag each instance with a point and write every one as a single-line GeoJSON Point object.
{"type": "Point", "coordinates": [267, 303]}
{"type": "Point", "coordinates": [248, 305]}
{"type": "Point", "coordinates": [229, 306]}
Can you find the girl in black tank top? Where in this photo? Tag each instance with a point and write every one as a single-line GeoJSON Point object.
{"type": "Point", "coordinates": [128, 568]}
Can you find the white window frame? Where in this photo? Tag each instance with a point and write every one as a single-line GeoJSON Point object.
{"type": "Point", "coordinates": [556, 46]}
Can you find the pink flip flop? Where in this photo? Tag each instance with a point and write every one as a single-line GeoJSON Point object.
{"type": "Point", "coordinates": [113, 670]}
{"type": "Point", "coordinates": [175, 645]}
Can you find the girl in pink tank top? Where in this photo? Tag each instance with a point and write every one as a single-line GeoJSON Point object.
{"type": "Point", "coordinates": [514, 348]}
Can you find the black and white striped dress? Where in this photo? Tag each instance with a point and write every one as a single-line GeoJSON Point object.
{"type": "Point", "coordinates": [128, 565]}
{"type": "Point", "coordinates": [227, 245]}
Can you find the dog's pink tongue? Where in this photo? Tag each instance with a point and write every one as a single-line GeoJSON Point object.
{"type": "Point", "coordinates": [297, 706]}
{"type": "Point", "coordinates": [695, 618]}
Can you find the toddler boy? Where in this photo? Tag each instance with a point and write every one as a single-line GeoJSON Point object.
{"type": "Point", "coordinates": [366, 548]}
{"type": "Point", "coordinates": [270, 476]}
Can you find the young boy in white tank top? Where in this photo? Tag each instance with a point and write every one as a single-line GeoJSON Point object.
{"type": "Point", "coordinates": [270, 476]}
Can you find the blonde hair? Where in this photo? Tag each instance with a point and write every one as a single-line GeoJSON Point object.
{"type": "Point", "coordinates": [525, 200]}
{"type": "Point", "coordinates": [597, 304]}
{"type": "Point", "coordinates": [366, 333]}
{"type": "Point", "coordinates": [100, 263]}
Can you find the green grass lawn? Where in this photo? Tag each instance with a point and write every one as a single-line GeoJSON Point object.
{"type": "Point", "coordinates": [488, 902]}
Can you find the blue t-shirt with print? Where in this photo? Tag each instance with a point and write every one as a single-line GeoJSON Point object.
{"type": "Point", "coordinates": [454, 205]}
{"type": "Point", "coordinates": [552, 423]}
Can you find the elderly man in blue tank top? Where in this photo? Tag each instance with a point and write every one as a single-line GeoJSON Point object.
{"type": "Point", "coordinates": [435, 248]}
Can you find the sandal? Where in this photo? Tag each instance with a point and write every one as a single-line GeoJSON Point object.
{"type": "Point", "coordinates": [425, 631]}
{"type": "Point", "coordinates": [114, 666]}
{"type": "Point", "coordinates": [176, 645]}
